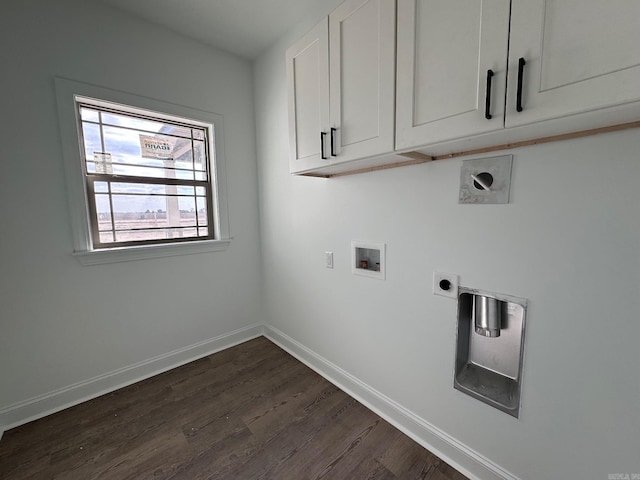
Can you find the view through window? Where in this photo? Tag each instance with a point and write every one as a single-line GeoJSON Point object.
{"type": "Point", "coordinates": [148, 179]}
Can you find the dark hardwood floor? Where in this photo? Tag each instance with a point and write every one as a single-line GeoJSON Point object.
{"type": "Point", "coordinates": [249, 412]}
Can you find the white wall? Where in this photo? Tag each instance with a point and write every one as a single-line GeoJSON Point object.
{"type": "Point", "coordinates": [569, 241]}
{"type": "Point", "coordinates": [60, 322]}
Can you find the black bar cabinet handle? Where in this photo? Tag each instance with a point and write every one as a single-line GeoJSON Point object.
{"type": "Point", "coordinates": [322, 135]}
{"type": "Point", "coordinates": [521, 64]}
{"type": "Point", "coordinates": [333, 142]}
{"type": "Point", "coordinates": [487, 102]}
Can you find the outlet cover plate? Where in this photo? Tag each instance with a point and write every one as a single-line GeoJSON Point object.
{"type": "Point", "coordinates": [440, 284]}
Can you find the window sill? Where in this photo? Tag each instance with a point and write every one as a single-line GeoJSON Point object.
{"type": "Point", "coordinates": [128, 254]}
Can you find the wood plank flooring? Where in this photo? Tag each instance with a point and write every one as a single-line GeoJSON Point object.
{"type": "Point", "coordinates": [249, 412]}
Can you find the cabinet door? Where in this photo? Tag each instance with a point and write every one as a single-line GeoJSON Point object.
{"type": "Point", "coordinates": [362, 66]}
{"type": "Point", "coordinates": [308, 90]}
{"type": "Point", "coordinates": [580, 55]}
{"type": "Point", "coordinates": [445, 51]}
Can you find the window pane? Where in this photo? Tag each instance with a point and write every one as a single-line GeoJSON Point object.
{"type": "Point", "coordinates": [100, 187]}
{"type": "Point", "coordinates": [202, 211]}
{"type": "Point", "coordinates": [92, 142]}
{"type": "Point", "coordinates": [198, 134]}
{"type": "Point", "coordinates": [106, 237]}
{"type": "Point", "coordinates": [103, 211]}
{"type": "Point", "coordinates": [102, 204]}
{"type": "Point", "coordinates": [145, 125]}
{"type": "Point", "coordinates": [133, 206]}
{"type": "Point", "coordinates": [189, 191]}
{"type": "Point", "coordinates": [138, 188]}
{"type": "Point", "coordinates": [187, 206]}
{"type": "Point", "coordinates": [199, 157]}
{"type": "Point", "coordinates": [185, 175]}
{"type": "Point", "coordinates": [89, 114]}
{"type": "Point", "coordinates": [182, 153]}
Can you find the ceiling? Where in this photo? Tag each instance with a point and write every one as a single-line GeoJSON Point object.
{"type": "Point", "coordinates": [242, 27]}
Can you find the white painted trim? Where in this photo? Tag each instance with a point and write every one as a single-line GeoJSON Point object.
{"type": "Point", "coordinates": [52, 402]}
{"type": "Point", "coordinates": [127, 254]}
{"type": "Point", "coordinates": [460, 456]}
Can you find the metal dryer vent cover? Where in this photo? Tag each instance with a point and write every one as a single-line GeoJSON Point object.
{"type": "Point", "coordinates": [485, 180]}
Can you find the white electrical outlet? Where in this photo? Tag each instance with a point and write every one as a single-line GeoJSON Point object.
{"type": "Point", "coordinates": [445, 284]}
{"type": "Point", "coordinates": [328, 259]}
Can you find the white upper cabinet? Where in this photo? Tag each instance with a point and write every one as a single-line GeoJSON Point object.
{"type": "Point", "coordinates": [362, 79]}
{"type": "Point", "coordinates": [451, 69]}
{"type": "Point", "coordinates": [308, 90]}
{"type": "Point", "coordinates": [464, 76]}
{"type": "Point", "coordinates": [579, 56]}
{"type": "Point", "coordinates": [341, 86]}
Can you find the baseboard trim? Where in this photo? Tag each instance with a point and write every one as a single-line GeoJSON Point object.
{"type": "Point", "coordinates": [466, 460]}
{"type": "Point", "coordinates": [52, 402]}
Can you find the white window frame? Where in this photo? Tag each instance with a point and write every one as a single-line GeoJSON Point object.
{"type": "Point", "coordinates": [69, 93]}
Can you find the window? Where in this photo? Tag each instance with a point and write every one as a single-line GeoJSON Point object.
{"type": "Point", "coordinates": [144, 176]}
{"type": "Point", "coordinates": [147, 178]}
